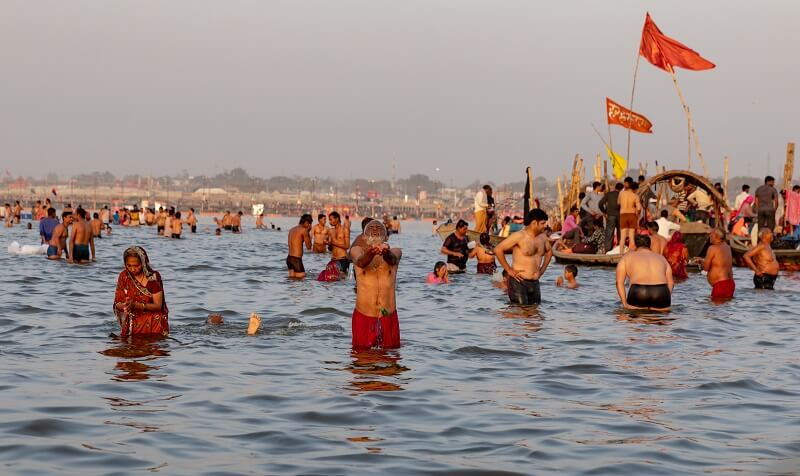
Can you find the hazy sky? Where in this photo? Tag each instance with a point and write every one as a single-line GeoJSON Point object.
{"type": "Point", "coordinates": [479, 89]}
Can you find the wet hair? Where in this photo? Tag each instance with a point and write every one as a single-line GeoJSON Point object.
{"type": "Point", "coordinates": [365, 221]}
{"type": "Point", "coordinates": [571, 268]}
{"type": "Point", "coordinates": [664, 214]}
{"type": "Point", "coordinates": [618, 186]}
{"type": "Point", "coordinates": [745, 187]}
{"type": "Point", "coordinates": [320, 216]}
{"type": "Point", "coordinates": [641, 241]}
{"type": "Point", "coordinates": [439, 265]}
{"type": "Point", "coordinates": [485, 239]}
{"type": "Point", "coordinates": [461, 223]}
{"type": "Point", "coordinates": [335, 214]}
{"type": "Point", "coordinates": [769, 178]}
{"type": "Point", "coordinates": [306, 218]}
{"type": "Point", "coordinates": [652, 226]}
{"type": "Point", "coordinates": [95, 215]}
{"type": "Point", "coordinates": [537, 214]}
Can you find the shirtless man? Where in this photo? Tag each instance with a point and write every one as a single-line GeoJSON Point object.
{"type": "Point", "coordinates": [236, 222]}
{"type": "Point", "coordinates": [177, 226]}
{"type": "Point", "coordinates": [97, 225]}
{"type": "Point", "coordinates": [299, 236]}
{"type": "Point", "coordinates": [161, 220]}
{"type": "Point", "coordinates": [761, 259]}
{"type": "Point", "coordinates": [17, 212]}
{"type": "Point", "coordinates": [81, 241]}
{"type": "Point", "coordinates": [105, 215]}
{"type": "Point", "coordinates": [260, 221]}
{"type": "Point", "coordinates": [649, 275]}
{"type": "Point", "coordinates": [191, 220]}
{"type": "Point", "coordinates": [339, 243]}
{"type": "Point", "coordinates": [718, 264]}
{"type": "Point", "coordinates": [58, 240]}
{"type": "Point", "coordinates": [630, 207]}
{"type": "Point", "coordinates": [657, 242]}
{"type": "Point", "coordinates": [226, 220]}
{"type": "Point", "coordinates": [531, 252]}
{"type": "Point", "coordinates": [374, 321]}
{"type": "Point", "coordinates": [9, 216]}
{"type": "Point", "coordinates": [322, 237]}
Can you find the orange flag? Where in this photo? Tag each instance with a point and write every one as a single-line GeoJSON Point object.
{"type": "Point", "coordinates": [627, 118]}
{"type": "Point", "coordinates": [666, 53]}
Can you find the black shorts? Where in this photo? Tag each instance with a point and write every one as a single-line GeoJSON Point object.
{"type": "Point", "coordinates": [294, 263]}
{"type": "Point", "coordinates": [235, 229]}
{"type": "Point", "coordinates": [524, 292]}
{"type": "Point", "coordinates": [194, 228]}
{"type": "Point", "coordinates": [765, 281]}
{"type": "Point", "coordinates": [652, 296]}
{"type": "Point", "coordinates": [160, 229]}
{"type": "Point", "coordinates": [176, 235]}
{"type": "Point", "coordinates": [227, 227]}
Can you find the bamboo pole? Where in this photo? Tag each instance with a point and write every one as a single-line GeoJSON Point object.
{"type": "Point", "coordinates": [560, 199]}
{"type": "Point", "coordinates": [725, 181]}
{"type": "Point", "coordinates": [788, 172]}
{"type": "Point", "coordinates": [633, 89]}
{"type": "Point", "coordinates": [605, 175]}
{"type": "Point", "coordinates": [692, 130]}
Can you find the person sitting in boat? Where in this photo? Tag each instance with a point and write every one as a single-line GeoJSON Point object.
{"type": "Point", "coordinates": [593, 244]}
{"type": "Point", "coordinates": [517, 224]}
{"type": "Point", "coordinates": [505, 229]}
{"type": "Point", "coordinates": [484, 253]}
{"type": "Point", "coordinates": [456, 247]}
{"type": "Point", "coordinates": [570, 231]}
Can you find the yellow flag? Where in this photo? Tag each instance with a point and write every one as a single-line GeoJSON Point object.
{"type": "Point", "coordinates": [619, 163]}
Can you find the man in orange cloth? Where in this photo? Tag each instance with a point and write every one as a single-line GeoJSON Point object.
{"type": "Point", "coordinates": [375, 323]}
{"type": "Point", "coordinates": [718, 263]}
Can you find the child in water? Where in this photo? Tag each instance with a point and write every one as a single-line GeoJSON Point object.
{"type": "Point", "coordinates": [439, 274]}
{"type": "Point", "coordinates": [568, 280]}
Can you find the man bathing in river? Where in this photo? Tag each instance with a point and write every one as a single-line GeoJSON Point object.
{"type": "Point", "coordinates": [339, 243]}
{"type": "Point", "coordinates": [718, 263]}
{"type": "Point", "coordinates": [531, 253]}
{"type": "Point", "coordinates": [657, 242]}
{"type": "Point", "coordinates": [82, 240]}
{"type": "Point", "coordinates": [321, 235]}
{"type": "Point", "coordinates": [58, 237]}
{"type": "Point", "coordinates": [761, 259]}
{"type": "Point", "coordinates": [374, 321]}
{"type": "Point", "coordinates": [299, 236]}
{"type": "Point", "coordinates": [650, 277]}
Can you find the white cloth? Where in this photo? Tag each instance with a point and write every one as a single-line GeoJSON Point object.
{"type": "Point", "coordinates": [739, 200]}
{"type": "Point", "coordinates": [481, 202]}
{"type": "Point", "coordinates": [700, 198]}
{"type": "Point", "coordinates": [666, 227]}
{"type": "Point", "coordinates": [15, 249]}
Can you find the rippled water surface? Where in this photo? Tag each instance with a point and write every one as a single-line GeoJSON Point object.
{"type": "Point", "coordinates": [478, 387]}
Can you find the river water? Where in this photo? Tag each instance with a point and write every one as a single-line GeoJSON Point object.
{"type": "Point", "coordinates": [573, 386]}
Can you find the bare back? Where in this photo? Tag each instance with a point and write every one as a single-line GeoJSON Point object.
{"type": "Point", "coordinates": [645, 267]}
{"type": "Point", "coordinates": [657, 244]}
{"type": "Point", "coordinates": [718, 263]}
{"type": "Point", "coordinates": [298, 236]}
{"type": "Point", "coordinates": [629, 202]}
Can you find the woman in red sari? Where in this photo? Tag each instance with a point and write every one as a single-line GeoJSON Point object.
{"type": "Point", "coordinates": [677, 255]}
{"type": "Point", "coordinates": [139, 301]}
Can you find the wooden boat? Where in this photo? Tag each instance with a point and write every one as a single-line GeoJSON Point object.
{"type": "Point", "coordinates": [472, 235]}
{"type": "Point", "coordinates": [788, 260]}
{"type": "Point", "coordinates": [586, 259]}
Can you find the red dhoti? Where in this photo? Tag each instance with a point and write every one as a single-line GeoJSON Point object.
{"type": "Point", "coordinates": [723, 289]}
{"type": "Point", "coordinates": [368, 331]}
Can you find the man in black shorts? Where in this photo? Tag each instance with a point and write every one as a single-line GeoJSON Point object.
{"type": "Point", "coordinates": [649, 275]}
{"type": "Point", "coordinates": [299, 236]}
{"type": "Point", "coordinates": [531, 254]}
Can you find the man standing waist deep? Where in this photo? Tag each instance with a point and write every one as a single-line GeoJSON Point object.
{"type": "Point", "coordinates": [531, 253]}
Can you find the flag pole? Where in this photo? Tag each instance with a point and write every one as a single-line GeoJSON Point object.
{"type": "Point", "coordinates": [692, 130]}
{"type": "Point", "coordinates": [633, 89]}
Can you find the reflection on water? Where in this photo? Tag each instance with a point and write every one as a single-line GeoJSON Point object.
{"type": "Point", "coordinates": [572, 386]}
{"type": "Point", "coordinates": [143, 350]}
{"type": "Point", "coordinates": [376, 370]}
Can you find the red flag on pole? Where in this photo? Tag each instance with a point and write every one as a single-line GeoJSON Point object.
{"type": "Point", "coordinates": [665, 53]}
{"type": "Point", "coordinates": [626, 118]}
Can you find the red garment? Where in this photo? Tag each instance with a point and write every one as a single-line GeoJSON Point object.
{"type": "Point", "coordinates": [723, 289]}
{"type": "Point", "coordinates": [677, 256]}
{"type": "Point", "coordinates": [330, 273]}
{"type": "Point", "coordinates": [368, 331]}
{"type": "Point", "coordinates": [141, 322]}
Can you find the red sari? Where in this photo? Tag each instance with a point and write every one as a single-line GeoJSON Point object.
{"type": "Point", "coordinates": [129, 289]}
{"type": "Point", "coordinates": [677, 256]}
